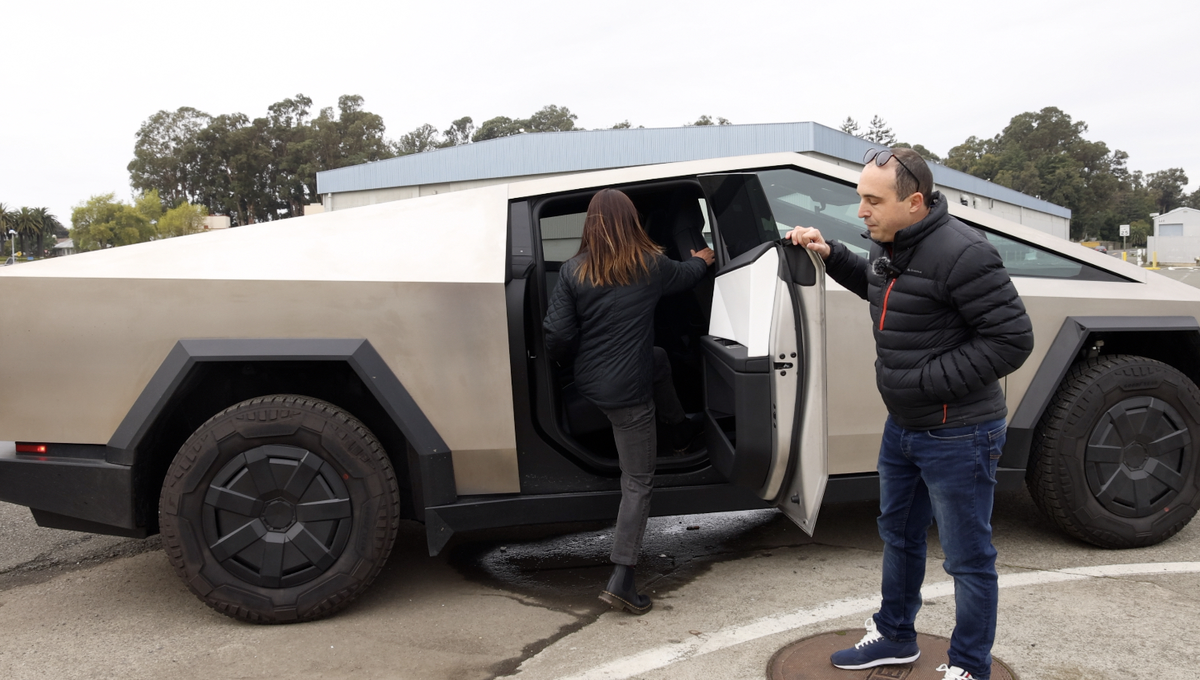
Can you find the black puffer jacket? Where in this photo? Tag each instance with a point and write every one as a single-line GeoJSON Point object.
{"type": "Point", "coordinates": [611, 329]}
{"type": "Point", "coordinates": [947, 320]}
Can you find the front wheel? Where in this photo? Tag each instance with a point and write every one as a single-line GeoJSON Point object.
{"type": "Point", "coordinates": [279, 509]}
{"type": "Point", "coordinates": [1114, 459]}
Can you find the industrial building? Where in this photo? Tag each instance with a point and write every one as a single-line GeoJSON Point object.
{"type": "Point", "coordinates": [1176, 238]}
{"type": "Point", "coordinates": [543, 154]}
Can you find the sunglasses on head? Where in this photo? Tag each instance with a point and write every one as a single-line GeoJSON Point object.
{"type": "Point", "coordinates": [882, 156]}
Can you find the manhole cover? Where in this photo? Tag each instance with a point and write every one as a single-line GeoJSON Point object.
{"type": "Point", "coordinates": [808, 659]}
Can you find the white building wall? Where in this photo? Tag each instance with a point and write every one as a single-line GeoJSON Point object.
{"type": "Point", "coordinates": [1171, 249]}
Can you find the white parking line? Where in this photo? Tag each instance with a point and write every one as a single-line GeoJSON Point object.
{"type": "Point", "coordinates": [666, 655]}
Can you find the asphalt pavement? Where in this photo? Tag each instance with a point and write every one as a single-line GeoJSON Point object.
{"type": "Point", "coordinates": [729, 590]}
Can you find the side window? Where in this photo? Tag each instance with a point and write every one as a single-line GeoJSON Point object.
{"type": "Point", "coordinates": [1023, 259]}
{"type": "Point", "coordinates": [800, 199]}
{"type": "Point", "coordinates": [561, 235]}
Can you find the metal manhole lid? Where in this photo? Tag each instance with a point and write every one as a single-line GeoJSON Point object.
{"type": "Point", "coordinates": [808, 659]}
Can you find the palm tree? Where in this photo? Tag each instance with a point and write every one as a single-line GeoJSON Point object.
{"type": "Point", "coordinates": [28, 227]}
{"type": "Point", "coordinates": [50, 228]}
{"type": "Point", "coordinates": [8, 220]}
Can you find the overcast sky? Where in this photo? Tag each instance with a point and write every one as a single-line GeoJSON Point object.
{"type": "Point", "coordinates": [77, 79]}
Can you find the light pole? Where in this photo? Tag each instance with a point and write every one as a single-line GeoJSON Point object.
{"type": "Point", "coordinates": [12, 235]}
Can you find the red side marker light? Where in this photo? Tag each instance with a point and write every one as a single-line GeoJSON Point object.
{"type": "Point", "coordinates": [31, 448]}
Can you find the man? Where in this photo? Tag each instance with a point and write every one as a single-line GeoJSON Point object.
{"type": "Point", "coordinates": [948, 325]}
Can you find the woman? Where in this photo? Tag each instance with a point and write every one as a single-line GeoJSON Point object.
{"type": "Point", "coordinates": [602, 311]}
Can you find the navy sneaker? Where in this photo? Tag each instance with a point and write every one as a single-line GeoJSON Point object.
{"type": "Point", "coordinates": [875, 650]}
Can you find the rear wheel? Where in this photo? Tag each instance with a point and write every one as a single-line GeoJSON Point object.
{"type": "Point", "coordinates": [279, 509]}
{"type": "Point", "coordinates": [1114, 459]}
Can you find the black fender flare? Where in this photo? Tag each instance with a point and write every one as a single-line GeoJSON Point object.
{"type": "Point", "coordinates": [428, 456]}
{"type": "Point", "coordinates": [1063, 352]}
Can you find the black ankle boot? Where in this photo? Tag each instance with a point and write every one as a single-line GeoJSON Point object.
{"type": "Point", "coordinates": [620, 593]}
{"type": "Point", "coordinates": [686, 431]}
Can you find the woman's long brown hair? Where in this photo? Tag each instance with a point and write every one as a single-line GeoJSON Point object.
{"type": "Point", "coordinates": [616, 249]}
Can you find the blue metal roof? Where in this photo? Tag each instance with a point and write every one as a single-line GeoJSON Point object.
{"type": "Point", "coordinates": [582, 150]}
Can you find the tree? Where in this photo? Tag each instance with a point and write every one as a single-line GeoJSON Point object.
{"type": "Point", "coordinates": [849, 126]}
{"type": "Point", "coordinates": [424, 138]}
{"type": "Point", "coordinates": [459, 132]}
{"type": "Point", "coordinates": [253, 169]}
{"type": "Point", "coordinates": [1166, 188]}
{"type": "Point", "coordinates": [1044, 154]}
{"type": "Point", "coordinates": [494, 128]}
{"type": "Point", "coordinates": [149, 205]}
{"type": "Point", "coordinates": [103, 222]}
{"type": "Point", "coordinates": [551, 118]}
{"type": "Point", "coordinates": [166, 156]}
{"type": "Point", "coordinates": [353, 138]}
{"type": "Point", "coordinates": [707, 120]}
{"type": "Point", "coordinates": [181, 220]}
{"type": "Point", "coordinates": [879, 132]}
{"type": "Point", "coordinates": [925, 153]}
{"type": "Point", "coordinates": [8, 220]}
{"type": "Point", "coordinates": [623, 125]}
{"type": "Point", "coordinates": [1139, 230]}
{"type": "Point", "coordinates": [1193, 201]}
{"type": "Point", "coordinates": [235, 170]}
{"type": "Point", "coordinates": [292, 174]}
{"type": "Point", "coordinates": [51, 228]}
{"type": "Point", "coordinates": [29, 230]}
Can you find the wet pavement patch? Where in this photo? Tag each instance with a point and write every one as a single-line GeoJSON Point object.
{"type": "Point", "coordinates": [565, 566]}
{"type": "Point", "coordinates": [808, 659]}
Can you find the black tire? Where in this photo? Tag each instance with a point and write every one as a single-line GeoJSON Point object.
{"type": "Point", "coordinates": [279, 509]}
{"type": "Point", "coordinates": [1114, 459]}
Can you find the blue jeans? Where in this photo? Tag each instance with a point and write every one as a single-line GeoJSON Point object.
{"type": "Point", "coordinates": [948, 475]}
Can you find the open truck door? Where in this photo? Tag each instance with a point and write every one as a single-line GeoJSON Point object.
{"type": "Point", "coordinates": [764, 374]}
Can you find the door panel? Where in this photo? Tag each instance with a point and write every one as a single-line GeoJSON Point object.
{"type": "Point", "coordinates": [801, 498]}
{"type": "Point", "coordinates": [765, 387]}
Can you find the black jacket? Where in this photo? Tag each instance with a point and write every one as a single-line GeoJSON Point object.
{"type": "Point", "coordinates": [611, 329]}
{"type": "Point", "coordinates": [947, 320]}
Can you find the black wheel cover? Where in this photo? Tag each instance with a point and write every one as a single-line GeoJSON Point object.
{"type": "Point", "coordinates": [1114, 460]}
{"type": "Point", "coordinates": [277, 516]}
{"type": "Point", "coordinates": [279, 509]}
{"type": "Point", "coordinates": [1136, 457]}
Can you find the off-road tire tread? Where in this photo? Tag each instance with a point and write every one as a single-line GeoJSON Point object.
{"type": "Point", "coordinates": [1046, 476]}
{"type": "Point", "coordinates": [385, 531]}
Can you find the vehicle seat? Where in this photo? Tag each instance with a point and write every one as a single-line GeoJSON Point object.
{"type": "Point", "coordinates": [678, 227]}
{"type": "Point", "coordinates": [580, 416]}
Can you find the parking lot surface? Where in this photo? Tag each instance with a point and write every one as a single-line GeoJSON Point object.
{"type": "Point", "coordinates": [729, 591]}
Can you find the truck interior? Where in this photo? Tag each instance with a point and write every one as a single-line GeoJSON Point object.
{"type": "Point", "coordinates": [676, 216]}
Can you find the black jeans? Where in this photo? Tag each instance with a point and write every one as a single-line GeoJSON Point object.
{"type": "Point", "coordinates": [637, 448]}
